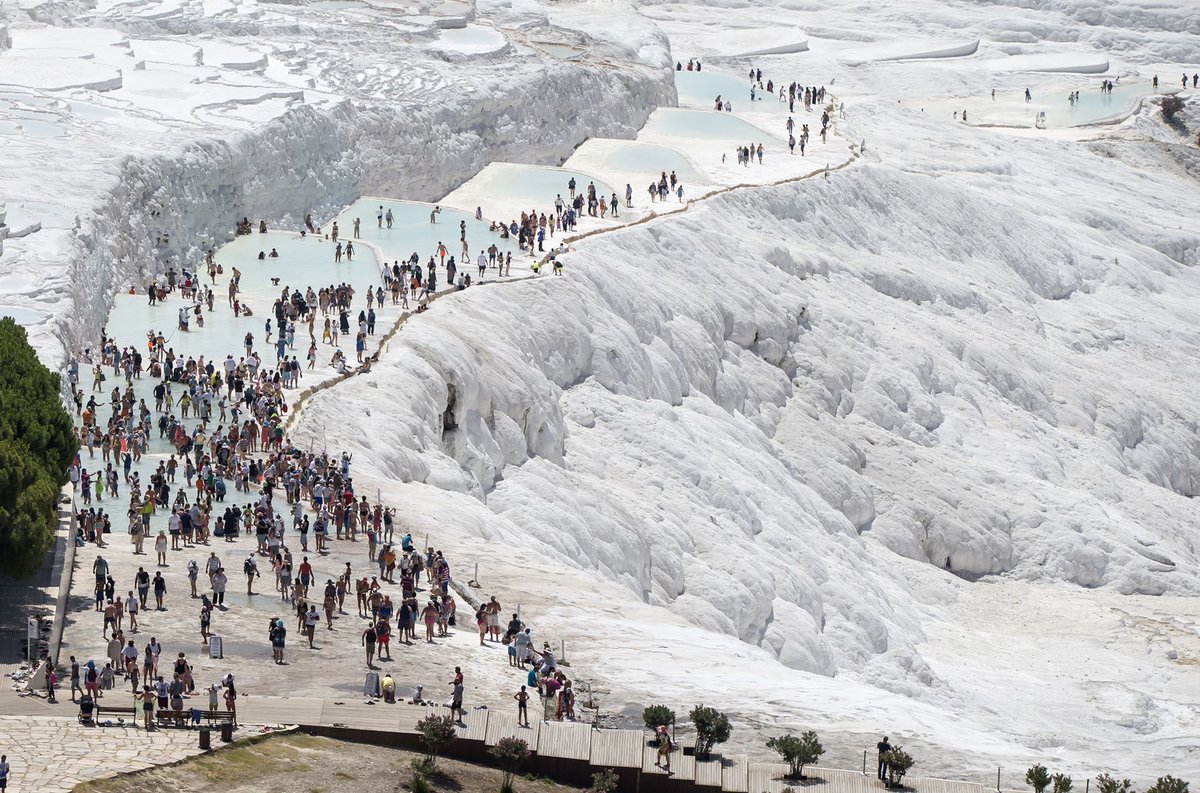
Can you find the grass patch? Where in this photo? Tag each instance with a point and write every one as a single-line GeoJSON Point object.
{"type": "Point", "coordinates": [240, 763]}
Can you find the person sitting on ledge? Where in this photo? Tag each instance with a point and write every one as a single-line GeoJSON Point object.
{"type": "Point", "coordinates": [262, 227]}
{"type": "Point", "coordinates": [243, 227]}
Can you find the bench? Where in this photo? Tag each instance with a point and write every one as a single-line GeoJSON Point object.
{"type": "Point", "coordinates": [102, 710]}
{"type": "Point", "coordinates": [183, 718]}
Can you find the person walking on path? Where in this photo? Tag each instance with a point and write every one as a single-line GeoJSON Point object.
{"type": "Point", "coordinates": [219, 582]}
{"type": "Point", "coordinates": [368, 640]}
{"type": "Point", "coordinates": [51, 682]}
{"type": "Point", "coordinates": [456, 697]}
{"type": "Point", "coordinates": [664, 749]}
{"type": "Point", "coordinates": [4, 772]}
{"type": "Point", "coordinates": [75, 685]}
{"type": "Point", "coordinates": [278, 638]}
{"type": "Point", "coordinates": [160, 589]}
{"type": "Point", "coordinates": [884, 747]}
{"type": "Point", "coordinates": [160, 548]}
{"type": "Point", "coordinates": [311, 620]}
{"type": "Point", "coordinates": [250, 568]}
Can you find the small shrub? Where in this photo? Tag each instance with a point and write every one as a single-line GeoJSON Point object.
{"type": "Point", "coordinates": [420, 778]}
{"type": "Point", "coordinates": [1060, 783]}
{"type": "Point", "coordinates": [1038, 778]}
{"type": "Point", "coordinates": [1106, 784]}
{"type": "Point", "coordinates": [898, 762]}
{"type": "Point", "coordinates": [656, 716]}
{"type": "Point", "coordinates": [1170, 106]}
{"type": "Point", "coordinates": [1168, 784]}
{"type": "Point", "coordinates": [797, 752]}
{"type": "Point", "coordinates": [509, 752]}
{"type": "Point", "coordinates": [712, 727]}
{"type": "Point", "coordinates": [604, 781]}
{"type": "Point", "coordinates": [437, 732]}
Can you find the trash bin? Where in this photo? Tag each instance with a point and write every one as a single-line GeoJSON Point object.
{"type": "Point", "coordinates": [205, 739]}
{"type": "Point", "coordinates": [227, 731]}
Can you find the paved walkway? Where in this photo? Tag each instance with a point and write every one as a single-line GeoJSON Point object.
{"type": "Point", "coordinates": [52, 754]}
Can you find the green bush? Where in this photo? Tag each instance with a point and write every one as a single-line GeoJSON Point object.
{"type": "Point", "coordinates": [1168, 784]}
{"type": "Point", "coordinates": [1106, 784]}
{"type": "Point", "coordinates": [420, 783]}
{"type": "Point", "coordinates": [1060, 783]}
{"type": "Point", "coordinates": [797, 752]}
{"type": "Point", "coordinates": [509, 752]}
{"type": "Point", "coordinates": [1038, 778]}
{"type": "Point", "coordinates": [898, 762]}
{"type": "Point", "coordinates": [422, 767]}
{"type": "Point", "coordinates": [37, 444]}
{"type": "Point", "coordinates": [656, 716]}
{"type": "Point", "coordinates": [712, 727]}
{"type": "Point", "coordinates": [604, 781]}
{"type": "Point", "coordinates": [437, 732]}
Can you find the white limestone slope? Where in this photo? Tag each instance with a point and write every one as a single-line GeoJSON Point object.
{"type": "Point", "coordinates": [986, 382]}
{"type": "Point", "coordinates": [196, 129]}
{"type": "Point", "coordinates": [913, 448]}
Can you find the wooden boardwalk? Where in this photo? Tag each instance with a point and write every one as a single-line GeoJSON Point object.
{"type": "Point", "coordinates": [708, 774]}
{"type": "Point", "coordinates": [568, 740]}
{"type": "Point", "coordinates": [617, 749]}
{"type": "Point", "coordinates": [504, 725]}
{"type": "Point", "coordinates": [735, 775]}
{"type": "Point", "coordinates": [571, 751]}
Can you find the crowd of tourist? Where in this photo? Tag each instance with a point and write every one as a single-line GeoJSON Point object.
{"type": "Point", "coordinates": [228, 474]}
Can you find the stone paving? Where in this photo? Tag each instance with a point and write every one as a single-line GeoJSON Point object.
{"type": "Point", "coordinates": [51, 754]}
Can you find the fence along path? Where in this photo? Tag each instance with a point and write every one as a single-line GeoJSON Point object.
{"type": "Point", "coordinates": [570, 751]}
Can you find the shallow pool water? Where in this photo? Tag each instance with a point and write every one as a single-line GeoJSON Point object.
{"type": "Point", "coordinates": [699, 90]}
{"type": "Point", "coordinates": [412, 232]}
{"type": "Point", "coordinates": [535, 186]}
{"type": "Point", "coordinates": [23, 316]}
{"type": "Point", "coordinates": [27, 99]}
{"type": "Point", "coordinates": [706, 124]}
{"type": "Point", "coordinates": [472, 39]}
{"type": "Point", "coordinates": [303, 261]}
{"type": "Point", "coordinates": [92, 112]}
{"type": "Point", "coordinates": [651, 159]}
{"type": "Point", "coordinates": [36, 128]}
{"type": "Point", "coordinates": [1093, 106]}
{"type": "Point", "coordinates": [561, 51]}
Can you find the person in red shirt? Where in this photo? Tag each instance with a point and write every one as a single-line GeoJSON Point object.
{"type": "Point", "coordinates": [306, 577]}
